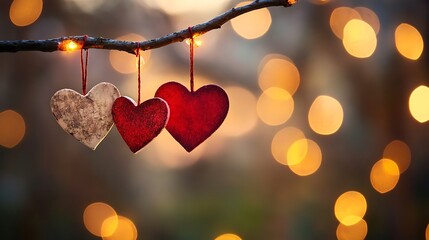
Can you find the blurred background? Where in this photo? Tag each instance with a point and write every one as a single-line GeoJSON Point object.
{"type": "Point", "coordinates": [326, 137]}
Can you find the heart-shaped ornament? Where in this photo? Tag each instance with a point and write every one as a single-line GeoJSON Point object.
{"type": "Point", "coordinates": [88, 118]}
{"type": "Point", "coordinates": [138, 125]}
{"type": "Point", "coordinates": [194, 116]}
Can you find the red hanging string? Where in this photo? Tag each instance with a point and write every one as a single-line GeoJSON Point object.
{"type": "Point", "coordinates": [191, 59]}
{"type": "Point", "coordinates": [138, 73]}
{"type": "Point", "coordinates": [84, 68]}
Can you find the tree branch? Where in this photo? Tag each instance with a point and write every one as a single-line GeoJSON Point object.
{"type": "Point", "coordinates": [55, 44]}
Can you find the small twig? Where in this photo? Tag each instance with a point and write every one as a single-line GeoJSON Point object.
{"type": "Point", "coordinates": [51, 45]}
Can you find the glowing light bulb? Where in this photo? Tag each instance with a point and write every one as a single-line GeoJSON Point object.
{"type": "Point", "coordinates": [252, 25]}
{"type": "Point", "coordinates": [25, 12]}
{"type": "Point", "coordinates": [275, 106]}
{"type": "Point", "coordinates": [124, 229]}
{"type": "Point", "coordinates": [409, 42]}
{"type": "Point", "coordinates": [384, 175]}
{"type": "Point", "coordinates": [356, 231]}
{"type": "Point", "coordinates": [325, 115]}
{"type": "Point", "coordinates": [359, 38]}
{"type": "Point", "coordinates": [71, 46]}
{"type": "Point", "coordinates": [12, 128]}
{"type": "Point", "coordinates": [94, 217]}
{"type": "Point", "coordinates": [350, 207]}
{"type": "Point", "coordinates": [68, 46]}
{"type": "Point", "coordinates": [228, 236]}
{"type": "Point", "coordinates": [417, 103]}
{"type": "Point", "coordinates": [197, 42]}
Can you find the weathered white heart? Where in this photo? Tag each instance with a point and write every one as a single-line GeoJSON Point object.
{"type": "Point", "coordinates": [88, 118]}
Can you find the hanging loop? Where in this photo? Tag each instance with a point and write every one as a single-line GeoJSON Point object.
{"type": "Point", "coordinates": [191, 59]}
{"type": "Point", "coordinates": [138, 72]}
{"type": "Point", "coordinates": [84, 67]}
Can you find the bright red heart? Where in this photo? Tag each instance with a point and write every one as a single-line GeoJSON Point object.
{"type": "Point", "coordinates": [194, 116]}
{"type": "Point", "coordinates": [138, 125]}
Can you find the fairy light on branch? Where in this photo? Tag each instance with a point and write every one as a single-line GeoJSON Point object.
{"type": "Point", "coordinates": [51, 45]}
{"type": "Point", "coordinates": [197, 42]}
{"type": "Point", "coordinates": [69, 46]}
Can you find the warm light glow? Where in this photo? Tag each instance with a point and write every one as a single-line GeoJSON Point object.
{"type": "Point", "coordinates": [359, 38]}
{"type": "Point", "coordinates": [12, 128]}
{"type": "Point", "coordinates": [297, 152]}
{"type": "Point", "coordinates": [127, 63]}
{"type": "Point", "coordinates": [242, 117]}
{"type": "Point", "coordinates": [350, 208]}
{"type": "Point", "coordinates": [325, 115]}
{"type": "Point", "coordinates": [418, 103]}
{"type": "Point", "coordinates": [356, 231]}
{"type": "Point", "coordinates": [197, 42]}
{"type": "Point", "coordinates": [253, 24]}
{"type": "Point", "coordinates": [71, 46]}
{"type": "Point", "coordinates": [384, 175]}
{"type": "Point", "coordinates": [340, 17]}
{"type": "Point", "coordinates": [291, 2]}
{"type": "Point", "coordinates": [304, 157]}
{"type": "Point", "coordinates": [228, 236]}
{"type": "Point", "coordinates": [125, 230]}
{"type": "Point", "coordinates": [282, 142]}
{"type": "Point", "coordinates": [275, 106]}
{"type": "Point", "coordinates": [109, 226]}
{"type": "Point", "coordinates": [409, 41]}
{"type": "Point", "coordinates": [25, 12]}
{"type": "Point", "coordinates": [68, 45]}
{"type": "Point", "coordinates": [95, 215]}
{"type": "Point", "coordinates": [370, 17]}
{"type": "Point", "coordinates": [399, 152]}
{"type": "Point", "coordinates": [278, 71]}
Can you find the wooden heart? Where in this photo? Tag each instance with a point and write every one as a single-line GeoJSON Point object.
{"type": "Point", "coordinates": [87, 118]}
{"type": "Point", "coordinates": [138, 125]}
{"type": "Point", "coordinates": [194, 116]}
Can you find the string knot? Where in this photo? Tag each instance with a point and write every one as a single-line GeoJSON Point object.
{"type": "Point", "coordinates": [191, 33]}
{"type": "Point", "coordinates": [138, 49]}
{"type": "Point", "coordinates": [84, 42]}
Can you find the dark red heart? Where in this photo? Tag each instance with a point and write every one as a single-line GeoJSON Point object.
{"type": "Point", "coordinates": [194, 116]}
{"type": "Point", "coordinates": [138, 125]}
